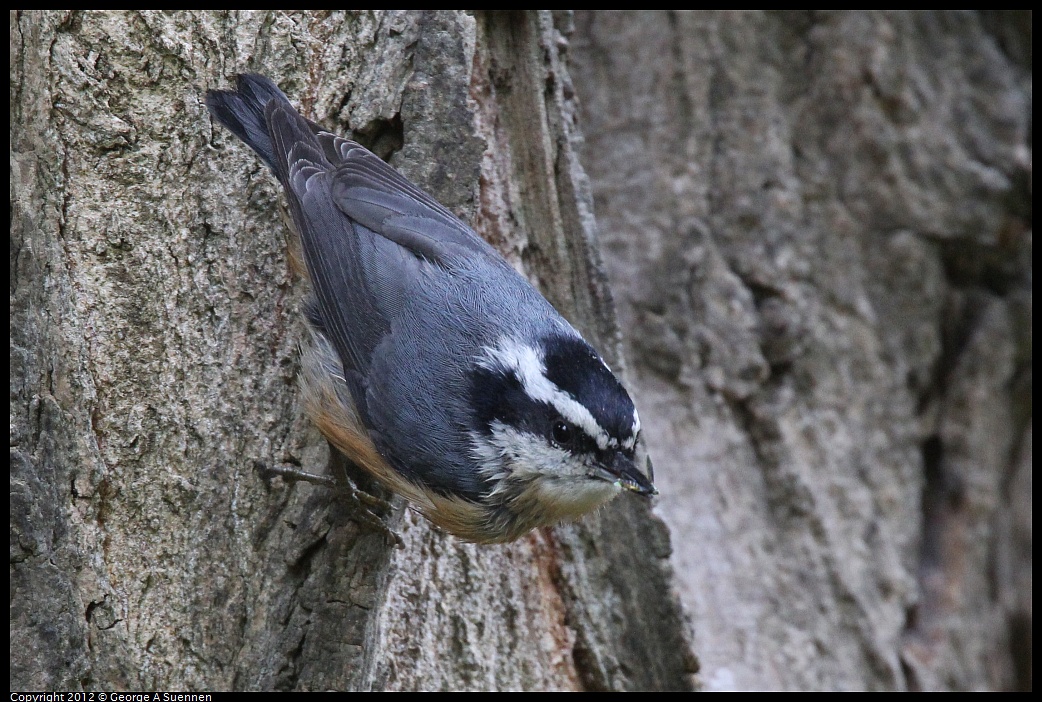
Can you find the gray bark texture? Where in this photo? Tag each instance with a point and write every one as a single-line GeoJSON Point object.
{"type": "Point", "coordinates": [817, 228]}
{"type": "Point", "coordinates": [155, 317]}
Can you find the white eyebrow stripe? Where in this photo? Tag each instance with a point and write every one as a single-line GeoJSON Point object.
{"type": "Point", "coordinates": [634, 432]}
{"type": "Point", "coordinates": [529, 368]}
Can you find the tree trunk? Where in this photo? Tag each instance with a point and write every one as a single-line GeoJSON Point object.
{"type": "Point", "coordinates": [818, 227]}
{"type": "Point", "coordinates": [155, 316]}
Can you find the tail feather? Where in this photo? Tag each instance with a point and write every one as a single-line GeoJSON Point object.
{"type": "Point", "coordinates": [242, 112]}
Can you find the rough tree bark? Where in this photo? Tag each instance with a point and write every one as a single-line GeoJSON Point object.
{"type": "Point", "coordinates": [154, 323]}
{"type": "Point", "coordinates": [818, 227]}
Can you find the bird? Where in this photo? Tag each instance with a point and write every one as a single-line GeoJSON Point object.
{"type": "Point", "coordinates": [433, 365]}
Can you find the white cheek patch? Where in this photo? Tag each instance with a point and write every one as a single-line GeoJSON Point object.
{"type": "Point", "coordinates": [536, 478]}
{"type": "Point", "coordinates": [526, 455]}
{"type": "Point", "coordinates": [507, 452]}
{"type": "Point", "coordinates": [527, 365]}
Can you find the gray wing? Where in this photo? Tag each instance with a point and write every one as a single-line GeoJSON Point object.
{"type": "Point", "coordinates": [369, 235]}
{"type": "Point", "coordinates": [376, 196]}
{"type": "Point", "coordinates": [350, 266]}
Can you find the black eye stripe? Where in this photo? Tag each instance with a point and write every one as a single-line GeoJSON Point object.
{"type": "Point", "coordinates": [498, 396]}
{"type": "Point", "coordinates": [578, 441]}
{"type": "Point", "coordinates": [562, 432]}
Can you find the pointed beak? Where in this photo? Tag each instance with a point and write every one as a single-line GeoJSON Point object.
{"type": "Point", "coordinates": [624, 472]}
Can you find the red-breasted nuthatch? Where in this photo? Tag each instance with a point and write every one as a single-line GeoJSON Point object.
{"type": "Point", "coordinates": [433, 364]}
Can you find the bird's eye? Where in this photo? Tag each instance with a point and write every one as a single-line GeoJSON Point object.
{"type": "Point", "coordinates": [562, 433]}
